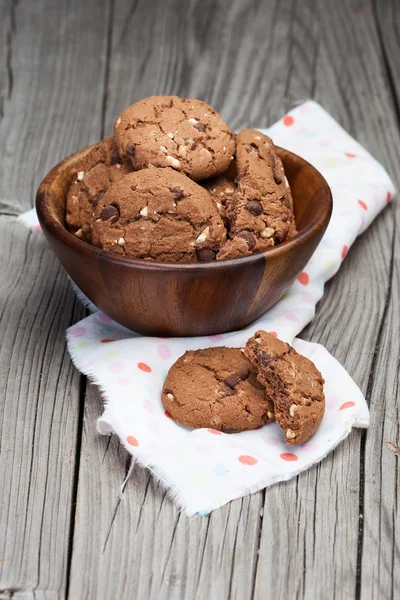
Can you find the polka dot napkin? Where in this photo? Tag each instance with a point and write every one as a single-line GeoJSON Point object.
{"type": "Point", "coordinates": [204, 469]}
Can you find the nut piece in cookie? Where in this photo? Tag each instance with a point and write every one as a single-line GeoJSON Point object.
{"type": "Point", "coordinates": [183, 133]}
{"type": "Point", "coordinates": [159, 214]}
{"type": "Point", "coordinates": [100, 168]}
{"type": "Point", "coordinates": [216, 388]}
{"type": "Point", "coordinates": [261, 208]}
{"type": "Point", "coordinates": [293, 383]}
{"type": "Point", "coordinates": [221, 189]}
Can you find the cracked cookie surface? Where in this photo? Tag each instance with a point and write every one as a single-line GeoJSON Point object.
{"type": "Point", "coordinates": [216, 388]}
{"type": "Point", "coordinates": [260, 212]}
{"type": "Point", "coordinates": [183, 133]}
{"type": "Point", "coordinates": [99, 170]}
{"type": "Point", "coordinates": [293, 383]}
{"type": "Point", "coordinates": [159, 214]}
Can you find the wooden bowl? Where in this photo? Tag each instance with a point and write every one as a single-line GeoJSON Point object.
{"type": "Point", "coordinates": [163, 299]}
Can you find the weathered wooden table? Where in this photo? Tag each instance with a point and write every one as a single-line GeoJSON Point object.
{"type": "Point", "coordinates": [66, 70]}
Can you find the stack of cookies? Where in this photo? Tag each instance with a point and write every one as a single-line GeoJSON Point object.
{"type": "Point", "coordinates": [174, 184]}
{"type": "Point", "coordinates": [237, 389]}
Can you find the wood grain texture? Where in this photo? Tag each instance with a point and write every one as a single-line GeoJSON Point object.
{"type": "Point", "coordinates": [252, 59]}
{"type": "Point", "coordinates": [39, 411]}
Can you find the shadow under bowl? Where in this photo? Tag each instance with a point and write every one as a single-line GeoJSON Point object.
{"type": "Point", "coordinates": [161, 299]}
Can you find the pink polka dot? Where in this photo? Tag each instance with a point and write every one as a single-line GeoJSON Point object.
{"type": "Point", "coordinates": [346, 213]}
{"type": "Point", "coordinates": [289, 456]}
{"type": "Point", "coordinates": [163, 351]}
{"type": "Point", "coordinates": [204, 449]}
{"type": "Point", "coordinates": [332, 401]}
{"type": "Point", "coordinates": [132, 441]}
{"type": "Point", "coordinates": [273, 333]}
{"type": "Point", "coordinates": [345, 250]}
{"type": "Point", "coordinates": [308, 297]}
{"type": "Point", "coordinates": [153, 446]}
{"type": "Point", "coordinates": [245, 459]}
{"type": "Point", "coordinates": [105, 318]}
{"type": "Point", "coordinates": [309, 447]}
{"type": "Point", "coordinates": [288, 120]}
{"type": "Point", "coordinates": [125, 381]}
{"type": "Point", "coordinates": [88, 364]}
{"type": "Point", "coordinates": [350, 155]}
{"type": "Point", "coordinates": [347, 405]}
{"type": "Point", "coordinates": [154, 427]}
{"type": "Point", "coordinates": [304, 278]}
{"type": "Point", "coordinates": [147, 405]}
{"type": "Point", "coordinates": [166, 413]}
{"type": "Point", "coordinates": [324, 143]}
{"type": "Point", "coordinates": [143, 367]}
{"type": "Point", "coordinates": [214, 431]}
{"type": "Point", "coordinates": [78, 332]}
{"type": "Point", "coordinates": [37, 227]}
{"type": "Point", "coordinates": [117, 367]}
{"type": "Point", "coordinates": [271, 441]}
{"type": "Point", "coordinates": [216, 338]}
{"type": "Point", "coordinates": [388, 197]}
{"type": "Point", "coordinates": [301, 131]}
{"type": "Point", "coordinates": [292, 317]}
{"type": "Point", "coordinates": [362, 204]}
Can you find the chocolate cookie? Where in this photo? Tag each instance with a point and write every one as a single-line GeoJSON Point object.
{"type": "Point", "coordinates": [221, 189]}
{"type": "Point", "coordinates": [183, 133]}
{"type": "Point", "coordinates": [99, 169]}
{"type": "Point", "coordinates": [293, 383]}
{"type": "Point", "coordinates": [159, 214]}
{"type": "Point", "coordinates": [216, 388]}
{"type": "Point", "coordinates": [261, 209]}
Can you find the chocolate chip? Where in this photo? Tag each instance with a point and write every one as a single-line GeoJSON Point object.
{"type": "Point", "coordinates": [252, 148]}
{"type": "Point", "coordinates": [177, 192]}
{"type": "Point", "coordinates": [254, 208]}
{"type": "Point", "coordinates": [277, 177]}
{"type": "Point", "coordinates": [115, 158]}
{"type": "Point", "coordinates": [165, 106]}
{"type": "Point", "coordinates": [205, 255]}
{"type": "Point", "coordinates": [97, 199]}
{"type": "Point", "coordinates": [248, 237]}
{"type": "Point", "coordinates": [199, 126]}
{"type": "Point", "coordinates": [133, 187]}
{"type": "Point", "coordinates": [131, 149]}
{"type": "Point", "coordinates": [225, 391]}
{"type": "Point", "coordinates": [110, 212]}
{"type": "Point", "coordinates": [193, 146]}
{"type": "Point", "coordinates": [232, 380]}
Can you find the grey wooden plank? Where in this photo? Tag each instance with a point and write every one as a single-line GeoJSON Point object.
{"type": "Point", "coordinates": [321, 520]}
{"type": "Point", "coordinates": [266, 56]}
{"type": "Point", "coordinates": [52, 93]}
{"type": "Point", "coordinates": [379, 573]}
{"type": "Point", "coordinates": [54, 61]}
{"type": "Point", "coordinates": [39, 411]}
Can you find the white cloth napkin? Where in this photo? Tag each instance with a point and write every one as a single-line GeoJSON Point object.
{"type": "Point", "coordinates": [204, 469]}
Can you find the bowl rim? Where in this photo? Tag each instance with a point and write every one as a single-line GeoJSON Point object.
{"type": "Point", "coordinates": [52, 225]}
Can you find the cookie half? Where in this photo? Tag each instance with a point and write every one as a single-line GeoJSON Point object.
{"type": "Point", "coordinates": [159, 214]}
{"type": "Point", "coordinates": [292, 381]}
{"type": "Point", "coordinates": [183, 133]}
{"type": "Point", "coordinates": [260, 211]}
{"type": "Point", "coordinates": [90, 180]}
{"type": "Point", "coordinates": [216, 388]}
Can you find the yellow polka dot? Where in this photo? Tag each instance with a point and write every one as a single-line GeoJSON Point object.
{"type": "Point", "coordinates": [330, 161]}
{"type": "Point", "coordinates": [113, 353]}
{"type": "Point", "coordinates": [82, 345]}
{"type": "Point", "coordinates": [330, 264]}
{"type": "Point", "coordinates": [196, 481]}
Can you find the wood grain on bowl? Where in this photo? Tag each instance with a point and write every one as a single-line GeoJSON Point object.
{"type": "Point", "coordinates": [194, 299]}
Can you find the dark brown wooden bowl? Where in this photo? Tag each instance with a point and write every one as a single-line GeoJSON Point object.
{"type": "Point", "coordinates": [194, 299]}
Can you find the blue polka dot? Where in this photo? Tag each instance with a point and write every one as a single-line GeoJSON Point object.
{"type": "Point", "coordinates": [220, 470]}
